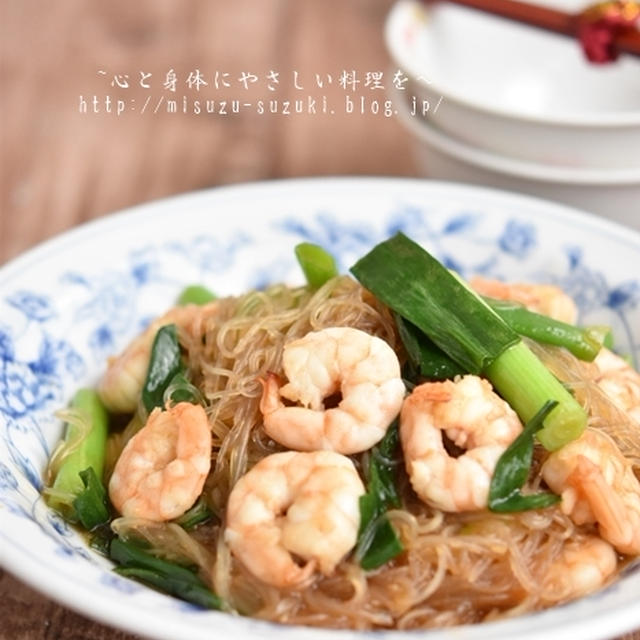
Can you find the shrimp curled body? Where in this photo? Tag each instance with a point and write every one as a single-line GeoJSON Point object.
{"type": "Point", "coordinates": [474, 418]}
{"type": "Point", "coordinates": [162, 469]}
{"type": "Point", "coordinates": [122, 382]}
{"type": "Point", "coordinates": [364, 368]}
{"type": "Point", "coordinates": [546, 299]}
{"type": "Point", "coordinates": [597, 484]}
{"type": "Point", "coordinates": [292, 502]}
{"type": "Point", "coordinates": [619, 381]}
{"type": "Point", "coordinates": [582, 567]}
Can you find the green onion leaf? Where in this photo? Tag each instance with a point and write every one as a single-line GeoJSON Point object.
{"type": "Point", "coordinates": [430, 361]}
{"type": "Point", "coordinates": [91, 505]}
{"type": "Point", "coordinates": [377, 539]}
{"type": "Point", "coordinates": [166, 576]}
{"type": "Point", "coordinates": [415, 285]}
{"type": "Point", "coordinates": [383, 544]}
{"type": "Point", "coordinates": [382, 477]}
{"type": "Point", "coordinates": [198, 514]}
{"type": "Point", "coordinates": [195, 294]}
{"type": "Point", "coordinates": [187, 590]}
{"type": "Point", "coordinates": [584, 343]}
{"type": "Point", "coordinates": [100, 539]}
{"type": "Point", "coordinates": [84, 447]}
{"type": "Point", "coordinates": [519, 502]}
{"type": "Point", "coordinates": [608, 341]}
{"type": "Point", "coordinates": [317, 264]}
{"type": "Point", "coordinates": [512, 471]}
{"type": "Point", "coordinates": [164, 364]}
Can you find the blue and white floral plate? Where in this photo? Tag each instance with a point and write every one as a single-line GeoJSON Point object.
{"type": "Point", "coordinates": [68, 304]}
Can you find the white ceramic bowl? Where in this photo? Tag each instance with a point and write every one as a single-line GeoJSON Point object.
{"type": "Point", "coordinates": [516, 90]}
{"type": "Point", "coordinates": [70, 302]}
{"type": "Point", "coordinates": [612, 193]}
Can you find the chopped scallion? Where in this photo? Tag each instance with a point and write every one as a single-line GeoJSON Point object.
{"type": "Point", "coordinates": [166, 576]}
{"type": "Point", "coordinates": [165, 362]}
{"type": "Point", "coordinates": [415, 285]}
{"type": "Point", "coordinates": [91, 504]}
{"type": "Point", "coordinates": [427, 359]}
{"type": "Point", "coordinates": [196, 515]}
{"type": "Point", "coordinates": [195, 294]}
{"type": "Point", "coordinates": [378, 541]}
{"type": "Point", "coordinates": [512, 470]}
{"type": "Point", "coordinates": [527, 384]}
{"type": "Point", "coordinates": [86, 440]}
{"type": "Point", "coordinates": [584, 343]}
{"type": "Point", "coordinates": [317, 264]}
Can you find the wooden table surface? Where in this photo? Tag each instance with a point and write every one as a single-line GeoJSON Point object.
{"type": "Point", "coordinates": [68, 157]}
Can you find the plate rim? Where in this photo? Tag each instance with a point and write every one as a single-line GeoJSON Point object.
{"type": "Point", "coordinates": [623, 233]}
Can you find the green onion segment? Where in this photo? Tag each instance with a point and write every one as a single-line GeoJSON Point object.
{"type": "Point", "coordinates": [416, 286]}
{"type": "Point", "coordinates": [172, 578]}
{"type": "Point", "coordinates": [427, 360]}
{"type": "Point", "coordinates": [88, 453]}
{"type": "Point", "coordinates": [196, 515]}
{"type": "Point", "coordinates": [195, 294]}
{"type": "Point", "coordinates": [512, 471]}
{"type": "Point", "coordinates": [91, 504]}
{"type": "Point", "coordinates": [583, 343]}
{"type": "Point", "coordinates": [377, 539]}
{"type": "Point", "coordinates": [165, 362]}
{"type": "Point", "coordinates": [317, 264]}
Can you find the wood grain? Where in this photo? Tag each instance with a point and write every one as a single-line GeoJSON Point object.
{"type": "Point", "coordinates": [60, 168]}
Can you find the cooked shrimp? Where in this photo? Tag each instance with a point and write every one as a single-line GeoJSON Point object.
{"type": "Point", "coordinates": [365, 369]}
{"type": "Point", "coordinates": [294, 503]}
{"type": "Point", "coordinates": [582, 567]}
{"type": "Point", "coordinates": [475, 419]}
{"type": "Point", "coordinates": [597, 484]}
{"type": "Point", "coordinates": [541, 298]}
{"type": "Point", "coordinates": [122, 382]}
{"type": "Point", "coordinates": [619, 381]}
{"type": "Point", "coordinates": [161, 471]}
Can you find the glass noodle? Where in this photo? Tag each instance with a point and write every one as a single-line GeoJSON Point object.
{"type": "Point", "coordinates": [457, 568]}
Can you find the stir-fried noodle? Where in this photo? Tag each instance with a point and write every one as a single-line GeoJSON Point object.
{"type": "Point", "coordinates": [457, 568]}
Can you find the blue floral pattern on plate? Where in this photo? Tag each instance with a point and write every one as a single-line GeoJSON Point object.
{"type": "Point", "coordinates": [55, 337]}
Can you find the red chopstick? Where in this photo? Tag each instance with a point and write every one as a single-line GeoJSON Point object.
{"type": "Point", "coordinates": [606, 25]}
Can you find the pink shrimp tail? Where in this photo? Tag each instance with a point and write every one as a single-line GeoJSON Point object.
{"type": "Point", "coordinates": [270, 400]}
